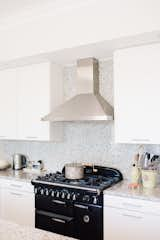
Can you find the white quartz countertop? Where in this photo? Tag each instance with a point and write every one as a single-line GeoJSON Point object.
{"type": "Point", "coordinates": [18, 175]}
{"type": "Point", "coordinates": [122, 190]}
{"type": "Point", "coordinates": [12, 231]}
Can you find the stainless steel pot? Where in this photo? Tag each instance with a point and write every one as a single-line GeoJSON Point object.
{"type": "Point", "coordinates": [74, 171]}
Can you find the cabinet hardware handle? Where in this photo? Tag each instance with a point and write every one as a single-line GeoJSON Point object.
{"type": "Point", "coordinates": [16, 185]}
{"type": "Point", "coordinates": [131, 205]}
{"type": "Point", "coordinates": [58, 220]}
{"type": "Point", "coordinates": [59, 202]}
{"type": "Point", "coordinates": [140, 140]}
{"type": "Point", "coordinates": [16, 194]}
{"type": "Point", "coordinates": [80, 206]}
{"type": "Point", "coordinates": [31, 137]}
{"type": "Point", "coordinates": [132, 216]}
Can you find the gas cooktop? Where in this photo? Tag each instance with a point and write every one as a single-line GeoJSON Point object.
{"type": "Point", "coordinates": [97, 178]}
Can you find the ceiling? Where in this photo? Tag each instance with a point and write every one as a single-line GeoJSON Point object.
{"type": "Point", "coordinates": [14, 10]}
{"type": "Point", "coordinates": [101, 50]}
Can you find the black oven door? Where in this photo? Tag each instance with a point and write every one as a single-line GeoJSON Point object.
{"type": "Point", "coordinates": [49, 204]}
{"type": "Point", "coordinates": [55, 223]}
{"type": "Point", "coordinates": [88, 222]}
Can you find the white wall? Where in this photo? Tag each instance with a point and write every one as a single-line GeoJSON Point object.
{"type": "Point", "coordinates": [97, 21]}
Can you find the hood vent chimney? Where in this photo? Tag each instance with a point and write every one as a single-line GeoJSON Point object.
{"type": "Point", "coordinates": [88, 104]}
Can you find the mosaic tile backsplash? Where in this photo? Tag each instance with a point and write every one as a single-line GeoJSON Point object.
{"type": "Point", "coordinates": [83, 142]}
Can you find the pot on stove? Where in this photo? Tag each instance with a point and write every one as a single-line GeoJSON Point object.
{"type": "Point", "coordinates": [74, 171]}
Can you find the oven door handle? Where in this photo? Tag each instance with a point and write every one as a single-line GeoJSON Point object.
{"type": "Point", "coordinates": [58, 202]}
{"type": "Point", "coordinates": [81, 206]}
{"type": "Point", "coordinates": [55, 217]}
{"type": "Point", "coordinates": [58, 220]}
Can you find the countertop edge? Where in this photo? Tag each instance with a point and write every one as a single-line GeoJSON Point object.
{"type": "Point", "coordinates": [122, 190]}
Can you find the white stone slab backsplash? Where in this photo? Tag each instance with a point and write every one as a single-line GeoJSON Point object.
{"type": "Point", "coordinates": [83, 142]}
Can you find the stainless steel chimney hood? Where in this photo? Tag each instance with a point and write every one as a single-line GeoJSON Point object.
{"type": "Point", "coordinates": [88, 104]}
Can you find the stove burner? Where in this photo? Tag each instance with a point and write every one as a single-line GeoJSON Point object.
{"type": "Point", "coordinates": [74, 182]}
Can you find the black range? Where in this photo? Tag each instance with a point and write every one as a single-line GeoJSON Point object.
{"type": "Point", "coordinates": [73, 207]}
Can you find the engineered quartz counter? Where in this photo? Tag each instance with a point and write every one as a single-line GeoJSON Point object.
{"type": "Point", "coordinates": [18, 175]}
{"type": "Point", "coordinates": [122, 190]}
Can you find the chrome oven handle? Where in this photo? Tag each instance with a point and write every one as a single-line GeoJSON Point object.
{"type": "Point", "coordinates": [80, 206]}
{"type": "Point", "coordinates": [58, 220]}
{"type": "Point", "coordinates": [59, 202]}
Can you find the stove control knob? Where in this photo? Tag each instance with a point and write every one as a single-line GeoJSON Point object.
{"type": "Point", "coordinates": [63, 195]}
{"type": "Point", "coordinates": [86, 198]}
{"type": "Point", "coordinates": [52, 193]}
{"type": "Point", "coordinates": [68, 196]}
{"type": "Point", "coordinates": [74, 197]}
{"type": "Point", "coordinates": [57, 194]}
{"type": "Point", "coordinates": [86, 218]}
{"type": "Point", "coordinates": [35, 190]}
{"type": "Point", "coordinates": [95, 200]}
{"type": "Point", "coordinates": [46, 191]}
{"type": "Point", "coordinates": [42, 191]}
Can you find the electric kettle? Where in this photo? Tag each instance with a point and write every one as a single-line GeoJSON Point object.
{"type": "Point", "coordinates": [19, 161]}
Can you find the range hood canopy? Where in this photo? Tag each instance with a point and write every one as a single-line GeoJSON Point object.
{"type": "Point", "coordinates": [88, 104]}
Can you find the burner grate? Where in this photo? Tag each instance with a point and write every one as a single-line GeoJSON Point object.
{"type": "Point", "coordinates": [97, 181]}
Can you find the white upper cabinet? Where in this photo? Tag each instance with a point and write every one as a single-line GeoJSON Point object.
{"type": "Point", "coordinates": [137, 95]}
{"type": "Point", "coordinates": [33, 101]}
{"type": "Point", "coordinates": [27, 95]}
{"type": "Point", "coordinates": [8, 105]}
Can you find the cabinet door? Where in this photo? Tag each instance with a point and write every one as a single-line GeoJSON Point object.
{"type": "Point", "coordinates": [33, 101]}
{"type": "Point", "coordinates": [1, 215]}
{"type": "Point", "coordinates": [8, 104]}
{"type": "Point", "coordinates": [18, 207]}
{"type": "Point", "coordinates": [137, 84]}
{"type": "Point", "coordinates": [130, 225]}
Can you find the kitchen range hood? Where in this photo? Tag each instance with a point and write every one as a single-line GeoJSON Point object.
{"type": "Point", "coordinates": [88, 104]}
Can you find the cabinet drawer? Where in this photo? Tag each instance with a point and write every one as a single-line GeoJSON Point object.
{"type": "Point", "coordinates": [132, 204]}
{"type": "Point", "coordinates": [18, 207]}
{"type": "Point", "coordinates": [130, 225]}
{"type": "Point", "coordinates": [18, 185]}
